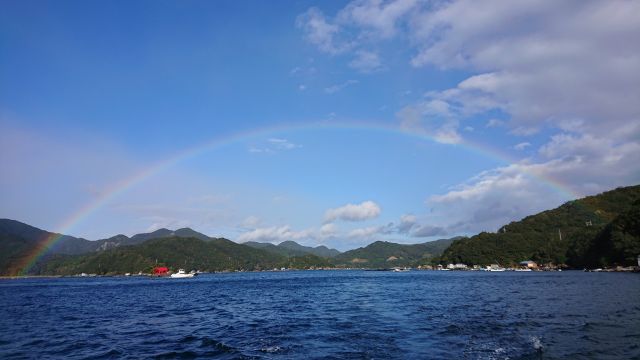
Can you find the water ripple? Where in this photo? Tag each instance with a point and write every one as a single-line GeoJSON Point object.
{"type": "Point", "coordinates": [324, 315]}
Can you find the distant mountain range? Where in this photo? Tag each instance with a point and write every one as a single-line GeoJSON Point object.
{"type": "Point", "coordinates": [188, 248]}
{"type": "Point", "coordinates": [176, 248]}
{"type": "Point", "coordinates": [70, 245]}
{"type": "Point", "coordinates": [596, 231]}
{"type": "Point", "coordinates": [292, 248]}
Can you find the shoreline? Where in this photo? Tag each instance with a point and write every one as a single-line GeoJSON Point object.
{"type": "Point", "coordinates": [19, 277]}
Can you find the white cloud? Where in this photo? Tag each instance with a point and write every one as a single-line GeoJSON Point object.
{"type": "Point", "coordinates": [328, 230]}
{"type": "Point", "coordinates": [283, 144]}
{"type": "Point", "coordinates": [256, 150]}
{"type": "Point", "coordinates": [366, 62]}
{"type": "Point", "coordinates": [274, 145]}
{"type": "Point", "coordinates": [364, 232]}
{"type": "Point", "coordinates": [320, 32]}
{"type": "Point", "coordinates": [494, 123]}
{"type": "Point", "coordinates": [251, 222]}
{"type": "Point", "coordinates": [574, 65]}
{"type": "Point", "coordinates": [296, 70]}
{"type": "Point", "coordinates": [429, 231]}
{"type": "Point", "coordinates": [433, 118]}
{"type": "Point", "coordinates": [338, 87]}
{"type": "Point", "coordinates": [407, 223]}
{"type": "Point", "coordinates": [350, 212]}
{"type": "Point", "coordinates": [574, 167]}
{"type": "Point", "coordinates": [521, 146]}
{"type": "Point", "coordinates": [360, 23]}
{"type": "Point", "coordinates": [275, 234]}
{"type": "Point", "coordinates": [376, 18]}
{"type": "Point", "coordinates": [540, 62]}
{"type": "Point", "coordinates": [448, 134]}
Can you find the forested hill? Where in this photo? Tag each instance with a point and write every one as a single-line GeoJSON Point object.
{"type": "Point", "coordinates": [595, 231]}
{"type": "Point", "coordinates": [176, 252]}
{"type": "Point", "coordinates": [383, 254]}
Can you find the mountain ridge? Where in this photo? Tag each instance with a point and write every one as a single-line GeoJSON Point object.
{"type": "Point", "coordinates": [385, 254]}
{"type": "Point", "coordinates": [595, 231]}
{"type": "Point", "coordinates": [292, 248]}
{"type": "Point", "coordinates": [567, 235]}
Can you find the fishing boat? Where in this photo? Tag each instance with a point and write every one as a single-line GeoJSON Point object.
{"type": "Point", "coordinates": [182, 274]}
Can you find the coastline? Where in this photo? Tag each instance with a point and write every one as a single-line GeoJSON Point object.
{"type": "Point", "coordinates": [19, 277]}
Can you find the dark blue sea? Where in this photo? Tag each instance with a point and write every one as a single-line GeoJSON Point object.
{"type": "Point", "coordinates": [325, 315]}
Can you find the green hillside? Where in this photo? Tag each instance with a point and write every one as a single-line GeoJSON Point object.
{"type": "Point", "coordinates": [175, 253]}
{"type": "Point", "coordinates": [382, 254]}
{"type": "Point", "coordinates": [596, 230]}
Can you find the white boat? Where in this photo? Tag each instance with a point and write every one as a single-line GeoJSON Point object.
{"type": "Point", "coordinates": [523, 270]}
{"type": "Point", "coordinates": [498, 269]}
{"type": "Point", "coordinates": [182, 274]}
{"type": "Point", "coordinates": [399, 269]}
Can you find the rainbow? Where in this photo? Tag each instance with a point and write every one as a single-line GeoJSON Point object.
{"type": "Point", "coordinates": [125, 184]}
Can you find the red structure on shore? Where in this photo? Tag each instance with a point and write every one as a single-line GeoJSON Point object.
{"type": "Point", "coordinates": [161, 271]}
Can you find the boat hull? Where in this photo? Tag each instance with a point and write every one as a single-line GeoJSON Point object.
{"type": "Point", "coordinates": [182, 276]}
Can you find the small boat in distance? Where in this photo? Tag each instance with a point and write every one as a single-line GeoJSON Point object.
{"type": "Point", "coordinates": [400, 269]}
{"type": "Point", "coordinates": [182, 274]}
{"type": "Point", "coordinates": [495, 267]}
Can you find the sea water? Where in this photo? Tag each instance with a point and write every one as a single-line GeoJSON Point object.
{"type": "Point", "coordinates": [347, 314]}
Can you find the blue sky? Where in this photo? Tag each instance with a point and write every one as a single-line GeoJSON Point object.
{"type": "Point", "coordinates": [396, 120]}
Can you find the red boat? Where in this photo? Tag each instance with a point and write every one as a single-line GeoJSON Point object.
{"type": "Point", "coordinates": [161, 271]}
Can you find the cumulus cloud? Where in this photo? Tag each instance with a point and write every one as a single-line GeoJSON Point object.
{"type": "Point", "coordinates": [360, 24]}
{"type": "Point", "coordinates": [375, 18]}
{"type": "Point", "coordinates": [364, 232]}
{"type": "Point", "coordinates": [353, 212]}
{"type": "Point", "coordinates": [498, 196]}
{"type": "Point", "coordinates": [366, 62]}
{"type": "Point", "coordinates": [320, 32]}
{"type": "Point", "coordinates": [573, 66]}
{"type": "Point", "coordinates": [275, 234]}
{"type": "Point", "coordinates": [328, 230]}
{"type": "Point", "coordinates": [571, 69]}
{"type": "Point", "coordinates": [434, 118]}
{"type": "Point", "coordinates": [540, 62]}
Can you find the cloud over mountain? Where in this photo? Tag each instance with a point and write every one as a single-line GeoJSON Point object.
{"type": "Point", "coordinates": [353, 212]}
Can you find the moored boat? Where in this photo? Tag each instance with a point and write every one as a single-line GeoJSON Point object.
{"type": "Point", "coordinates": [182, 274]}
